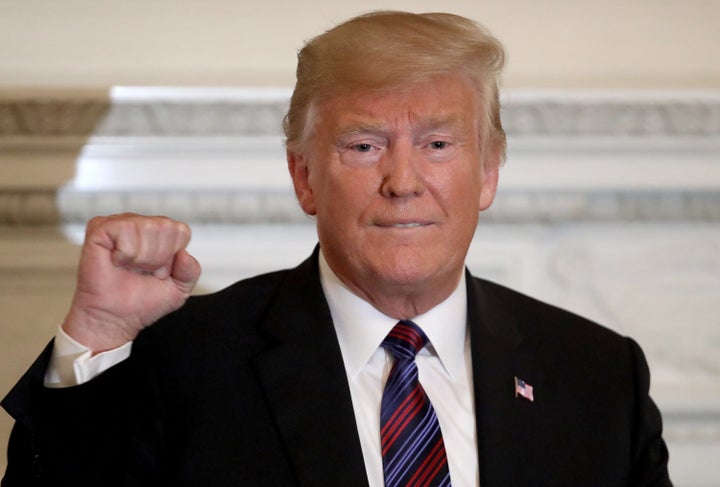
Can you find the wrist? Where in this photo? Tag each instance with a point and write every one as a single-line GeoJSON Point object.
{"type": "Point", "coordinates": [99, 331]}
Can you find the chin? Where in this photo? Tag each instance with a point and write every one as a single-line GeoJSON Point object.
{"type": "Point", "coordinates": [406, 272]}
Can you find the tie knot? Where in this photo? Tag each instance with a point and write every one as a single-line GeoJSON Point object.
{"type": "Point", "coordinates": [405, 340]}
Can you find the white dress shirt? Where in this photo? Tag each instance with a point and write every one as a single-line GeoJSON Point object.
{"type": "Point", "coordinates": [72, 363]}
{"type": "Point", "coordinates": [444, 369]}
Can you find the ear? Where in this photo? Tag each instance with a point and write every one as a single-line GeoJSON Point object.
{"type": "Point", "coordinates": [300, 174]}
{"type": "Point", "coordinates": [490, 173]}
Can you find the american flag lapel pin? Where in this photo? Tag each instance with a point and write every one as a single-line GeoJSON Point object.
{"type": "Point", "coordinates": [523, 389]}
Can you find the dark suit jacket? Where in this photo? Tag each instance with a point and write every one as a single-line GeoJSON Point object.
{"type": "Point", "coordinates": [247, 387]}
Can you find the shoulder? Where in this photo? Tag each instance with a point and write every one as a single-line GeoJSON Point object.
{"type": "Point", "coordinates": [544, 326]}
{"type": "Point", "coordinates": [571, 357]}
{"type": "Point", "coordinates": [210, 320]}
{"type": "Point", "coordinates": [585, 377]}
{"type": "Point", "coordinates": [247, 296]}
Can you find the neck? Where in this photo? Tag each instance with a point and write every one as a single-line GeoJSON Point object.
{"type": "Point", "coordinates": [401, 301]}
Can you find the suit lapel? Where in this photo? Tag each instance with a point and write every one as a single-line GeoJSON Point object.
{"type": "Point", "coordinates": [305, 383]}
{"type": "Point", "coordinates": [502, 419]}
{"type": "Point", "coordinates": [321, 434]}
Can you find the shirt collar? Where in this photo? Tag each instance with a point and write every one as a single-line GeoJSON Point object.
{"type": "Point", "coordinates": [361, 328]}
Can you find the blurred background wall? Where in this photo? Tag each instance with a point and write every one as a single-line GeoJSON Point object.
{"type": "Point", "coordinates": [609, 202]}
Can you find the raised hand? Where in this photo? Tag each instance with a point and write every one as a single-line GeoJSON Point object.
{"type": "Point", "coordinates": [133, 270]}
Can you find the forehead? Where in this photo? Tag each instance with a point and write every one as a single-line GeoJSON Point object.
{"type": "Point", "coordinates": [445, 101]}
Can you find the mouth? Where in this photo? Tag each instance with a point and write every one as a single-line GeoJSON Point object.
{"type": "Point", "coordinates": [408, 224]}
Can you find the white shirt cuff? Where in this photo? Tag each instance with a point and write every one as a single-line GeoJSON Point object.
{"type": "Point", "coordinates": [72, 363]}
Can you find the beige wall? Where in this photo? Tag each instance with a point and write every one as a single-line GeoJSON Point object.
{"type": "Point", "coordinates": [552, 43]}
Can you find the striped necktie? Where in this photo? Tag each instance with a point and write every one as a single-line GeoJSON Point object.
{"type": "Point", "coordinates": [413, 451]}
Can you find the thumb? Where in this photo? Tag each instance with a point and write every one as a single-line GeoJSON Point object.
{"type": "Point", "coordinates": [185, 271]}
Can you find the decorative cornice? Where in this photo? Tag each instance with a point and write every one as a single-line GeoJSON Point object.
{"type": "Point", "coordinates": [215, 147]}
{"type": "Point", "coordinates": [51, 116]}
{"type": "Point", "coordinates": [604, 206]}
{"type": "Point", "coordinates": [692, 427]}
{"type": "Point", "coordinates": [211, 207]}
{"type": "Point", "coordinates": [35, 207]}
{"type": "Point", "coordinates": [200, 112]}
{"type": "Point", "coordinates": [248, 207]}
{"type": "Point", "coordinates": [638, 113]}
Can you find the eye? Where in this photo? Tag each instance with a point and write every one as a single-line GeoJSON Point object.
{"type": "Point", "coordinates": [362, 152]}
{"type": "Point", "coordinates": [444, 148]}
{"type": "Point", "coordinates": [439, 144]}
{"type": "Point", "coordinates": [362, 147]}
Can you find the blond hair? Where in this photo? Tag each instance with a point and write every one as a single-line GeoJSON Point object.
{"type": "Point", "coordinates": [385, 49]}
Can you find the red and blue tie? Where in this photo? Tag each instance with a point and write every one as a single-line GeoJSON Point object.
{"type": "Point", "coordinates": [413, 451]}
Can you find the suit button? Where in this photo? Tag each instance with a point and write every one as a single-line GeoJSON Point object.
{"type": "Point", "coordinates": [36, 465]}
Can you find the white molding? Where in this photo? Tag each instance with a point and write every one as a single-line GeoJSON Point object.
{"type": "Point", "coordinates": [215, 155]}
{"type": "Point", "coordinates": [199, 111]}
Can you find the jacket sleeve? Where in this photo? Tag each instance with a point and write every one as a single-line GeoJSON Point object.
{"type": "Point", "coordinates": [650, 455]}
{"type": "Point", "coordinates": [81, 435]}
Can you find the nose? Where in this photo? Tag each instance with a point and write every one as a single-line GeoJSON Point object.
{"type": "Point", "coordinates": [401, 173]}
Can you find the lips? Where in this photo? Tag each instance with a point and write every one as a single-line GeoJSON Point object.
{"type": "Point", "coordinates": [403, 224]}
{"type": "Point", "coordinates": [409, 225]}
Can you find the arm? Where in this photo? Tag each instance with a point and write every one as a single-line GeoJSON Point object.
{"type": "Point", "coordinates": [649, 467]}
{"type": "Point", "coordinates": [133, 270]}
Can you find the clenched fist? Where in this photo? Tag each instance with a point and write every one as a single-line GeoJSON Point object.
{"type": "Point", "coordinates": [133, 270]}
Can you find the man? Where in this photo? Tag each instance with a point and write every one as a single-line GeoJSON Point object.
{"type": "Point", "coordinates": [394, 143]}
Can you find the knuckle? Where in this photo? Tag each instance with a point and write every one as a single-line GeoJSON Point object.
{"type": "Point", "coordinates": [94, 223]}
{"type": "Point", "coordinates": [184, 230]}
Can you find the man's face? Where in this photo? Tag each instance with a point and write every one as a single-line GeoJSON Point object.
{"type": "Point", "coordinates": [397, 181]}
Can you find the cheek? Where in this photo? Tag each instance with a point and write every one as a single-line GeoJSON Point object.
{"type": "Point", "coordinates": [474, 182]}
{"type": "Point", "coordinates": [459, 190]}
{"type": "Point", "coordinates": [340, 203]}
{"type": "Point", "coordinates": [350, 190]}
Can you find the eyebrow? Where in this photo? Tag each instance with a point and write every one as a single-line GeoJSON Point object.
{"type": "Point", "coordinates": [423, 126]}
{"type": "Point", "coordinates": [451, 121]}
{"type": "Point", "coordinates": [362, 128]}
